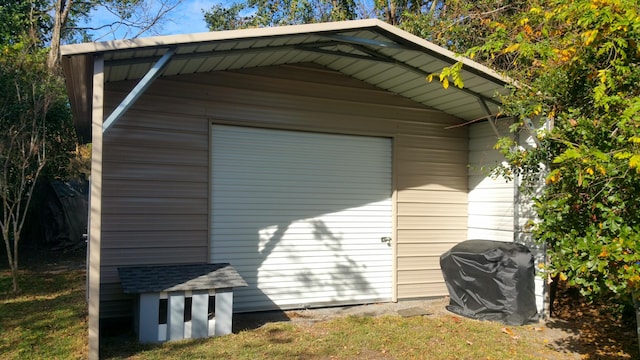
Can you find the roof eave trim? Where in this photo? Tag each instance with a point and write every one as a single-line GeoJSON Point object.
{"type": "Point", "coordinates": [170, 40]}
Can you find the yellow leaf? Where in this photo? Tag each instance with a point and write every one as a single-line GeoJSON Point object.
{"type": "Point", "coordinates": [507, 331]}
{"type": "Point", "coordinates": [430, 78]}
{"type": "Point", "coordinates": [497, 24]}
{"type": "Point", "coordinates": [565, 54]}
{"type": "Point", "coordinates": [563, 277]}
{"type": "Point", "coordinates": [511, 48]}
{"type": "Point", "coordinates": [603, 253]}
{"type": "Point", "coordinates": [445, 83]}
{"type": "Point", "coordinates": [580, 178]}
{"type": "Point", "coordinates": [528, 30]}
{"type": "Point", "coordinates": [634, 161]}
{"type": "Point", "coordinates": [602, 75]}
{"type": "Point", "coordinates": [589, 36]}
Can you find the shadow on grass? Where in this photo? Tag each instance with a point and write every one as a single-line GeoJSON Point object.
{"type": "Point", "coordinates": [122, 341]}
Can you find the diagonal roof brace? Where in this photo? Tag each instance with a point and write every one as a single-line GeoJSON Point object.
{"type": "Point", "coordinates": [139, 89]}
{"type": "Point", "coordinates": [490, 117]}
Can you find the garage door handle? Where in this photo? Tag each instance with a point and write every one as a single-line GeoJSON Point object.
{"type": "Point", "coordinates": [386, 239]}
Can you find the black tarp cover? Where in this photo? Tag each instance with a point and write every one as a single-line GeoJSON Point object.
{"type": "Point", "coordinates": [65, 214]}
{"type": "Point", "coordinates": [491, 280]}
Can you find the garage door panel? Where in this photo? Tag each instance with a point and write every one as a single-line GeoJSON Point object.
{"type": "Point", "coordinates": [300, 216]}
{"type": "Point", "coordinates": [286, 249]}
{"type": "Point", "coordinates": [247, 266]}
{"type": "Point", "coordinates": [329, 221]}
{"type": "Point", "coordinates": [259, 301]}
{"type": "Point", "coordinates": [238, 206]}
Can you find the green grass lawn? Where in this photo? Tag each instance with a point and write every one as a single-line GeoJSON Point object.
{"type": "Point", "coordinates": [354, 337]}
{"type": "Point", "coordinates": [47, 320]}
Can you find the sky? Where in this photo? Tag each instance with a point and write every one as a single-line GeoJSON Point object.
{"type": "Point", "coordinates": [184, 19]}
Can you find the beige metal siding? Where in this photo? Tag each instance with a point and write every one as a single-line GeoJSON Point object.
{"type": "Point", "coordinates": [169, 128]}
{"type": "Point", "coordinates": [154, 203]}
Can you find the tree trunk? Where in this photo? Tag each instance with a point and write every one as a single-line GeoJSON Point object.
{"type": "Point", "coordinates": [59, 20]}
{"type": "Point", "coordinates": [14, 278]}
{"type": "Point", "coordinates": [14, 266]}
{"type": "Point", "coordinates": [11, 259]}
{"type": "Point", "coordinates": [391, 14]}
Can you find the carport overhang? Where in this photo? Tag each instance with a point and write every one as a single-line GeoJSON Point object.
{"type": "Point", "coordinates": [369, 50]}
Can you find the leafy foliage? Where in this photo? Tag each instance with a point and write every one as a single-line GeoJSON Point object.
{"type": "Point", "coordinates": [20, 17]}
{"type": "Point", "coordinates": [32, 110]}
{"type": "Point", "coordinates": [459, 25]}
{"type": "Point", "coordinates": [36, 133]}
{"type": "Point", "coordinates": [580, 63]}
{"type": "Point", "coordinates": [260, 13]}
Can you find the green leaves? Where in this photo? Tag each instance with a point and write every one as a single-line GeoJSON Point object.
{"type": "Point", "coordinates": [260, 13]}
{"type": "Point", "coordinates": [35, 130]}
{"type": "Point", "coordinates": [578, 63]}
{"type": "Point", "coordinates": [450, 72]}
{"type": "Point", "coordinates": [569, 154]}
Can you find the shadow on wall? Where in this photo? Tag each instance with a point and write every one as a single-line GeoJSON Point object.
{"type": "Point", "coordinates": [311, 235]}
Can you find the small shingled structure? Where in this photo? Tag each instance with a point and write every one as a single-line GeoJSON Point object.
{"type": "Point", "coordinates": [179, 277]}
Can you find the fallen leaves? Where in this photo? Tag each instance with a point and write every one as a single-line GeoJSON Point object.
{"type": "Point", "coordinates": [510, 332]}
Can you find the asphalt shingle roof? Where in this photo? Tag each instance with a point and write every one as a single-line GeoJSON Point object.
{"type": "Point", "coordinates": [179, 277]}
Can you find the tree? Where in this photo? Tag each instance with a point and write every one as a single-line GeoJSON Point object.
{"type": "Point", "coordinates": [31, 99]}
{"type": "Point", "coordinates": [260, 13]}
{"type": "Point", "coordinates": [139, 16]}
{"type": "Point", "coordinates": [459, 25]}
{"type": "Point", "coordinates": [577, 63]}
{"type": "Point", "coordinates": [36, 133]}
{"type": "Point", "coordinates": [257, 13]}
{"type": "Point", "coordinates": [395, 11]}
{"type": "Point", "coordinates": [18, 18]}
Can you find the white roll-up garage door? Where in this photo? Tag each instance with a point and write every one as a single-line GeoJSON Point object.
{"type": "Point", "coordinates": [301, 215]}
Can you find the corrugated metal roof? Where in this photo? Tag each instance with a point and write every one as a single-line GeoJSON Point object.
{"type": "Point", "coordinates": [369, 50]}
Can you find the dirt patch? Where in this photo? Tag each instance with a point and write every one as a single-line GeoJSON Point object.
{"type": "Point", "coordinates": [594, 330]}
